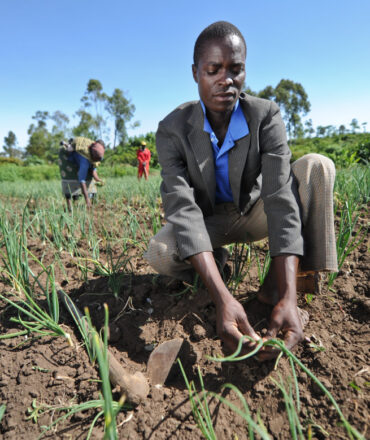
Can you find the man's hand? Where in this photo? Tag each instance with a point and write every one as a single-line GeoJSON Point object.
{"type": "Point", "coordinates": [232, 322]}
{"type": "Point", "coordinates": [284, 316]}
{"type": "Point", "coordinates": [285, 319]}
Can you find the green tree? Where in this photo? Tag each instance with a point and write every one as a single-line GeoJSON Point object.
{"type": "Point", "coordinates": [293, 101]}
{"type": "Point", "coordinates": [354, 125]}
{"type": "Point", "coordinates": [86, 125]}
{"type": "Point", "coordinates": [43, 143]}
{"type": "Point", "coordinates": [342, 129]}
{"type": "Point", "coordinates": [122, 111]}
{"type": "Point", "coordinates": [249, 91]}
{"type": "Point", "coordinates": [309, 130]}
{"type": "Point", "coordinates": [94, 97]}
{"type": "Point", "coordinates": [10, 145]}
{"type": "Point", "coordinates": [39, 140]}
{"type": "Point", "coordinates": [60, 125]}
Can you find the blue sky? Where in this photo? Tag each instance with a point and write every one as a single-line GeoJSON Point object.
{"type": "Point", "coordinates": [51, 48]}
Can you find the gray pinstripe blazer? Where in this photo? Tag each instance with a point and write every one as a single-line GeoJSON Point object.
{"type": "Point", "coordinates": [259, 166]}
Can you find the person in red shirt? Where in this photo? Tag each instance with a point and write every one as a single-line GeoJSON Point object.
{"type": "Point", "coordinates": [143, 156]}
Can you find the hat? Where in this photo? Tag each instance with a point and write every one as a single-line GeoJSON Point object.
{"type": "Point", "coordinates": [143, 143]}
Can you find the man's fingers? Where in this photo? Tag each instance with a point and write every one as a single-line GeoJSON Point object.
{"type": "Point", "coordinates": [232, 337]}
{"type": "Point", "coordinates": [273, 329]}
{"type": "Point", "coordinates": [246, 329]}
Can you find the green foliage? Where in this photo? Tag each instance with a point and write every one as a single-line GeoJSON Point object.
{"type": "Point", "coordinates": [344, 150]}
{"type": "Point", "coordinates": [10, 160]}
{"type": "Point", "coordinates": [10, 145]}
{"type": "Point", "coordinates": [121, 109]}
{"type": "Point", "coordinates": [126, 153]}
{"type": "Point", "coordinates": [292, 100]}
{"type": "Point", "coordinates": [13, 173]}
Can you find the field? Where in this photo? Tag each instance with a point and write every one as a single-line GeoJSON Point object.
{"type": "Point", "coordinates": [54, 386]}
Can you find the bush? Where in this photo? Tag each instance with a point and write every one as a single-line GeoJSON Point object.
{"type": "Point", "coordinates": [13, 173]}
{"type": "Point", "coordinates": [10, 160]}
{"type": "Point", "coordinates": [344, 150]}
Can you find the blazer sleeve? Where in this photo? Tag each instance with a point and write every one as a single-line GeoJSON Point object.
{"type": "Point", "coordinates": [279, 192]}
{"type": "Point", "coordinates": [180, 207]}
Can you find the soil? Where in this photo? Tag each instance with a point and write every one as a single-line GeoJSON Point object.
{"type": "Point", "coordinates": [149, 309]}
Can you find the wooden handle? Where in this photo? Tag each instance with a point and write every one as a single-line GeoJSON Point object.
{"type": "Point", "coordinates": [134, 386]}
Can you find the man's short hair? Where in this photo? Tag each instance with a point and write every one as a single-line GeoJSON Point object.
{"type": "Point", "coordinates": [215, 31]}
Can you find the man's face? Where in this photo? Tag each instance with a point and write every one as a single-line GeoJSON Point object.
{"type": "Point", "coordinates": [220, 73]}
{"type": "Point", "coordinates": [97, 152]}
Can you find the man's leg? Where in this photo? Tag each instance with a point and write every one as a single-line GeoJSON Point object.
{"type": "Point", "coordinates": [315, 176]}
{"type": "Point", "coordinates": [163, 254]}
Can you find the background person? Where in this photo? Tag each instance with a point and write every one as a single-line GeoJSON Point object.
{"type": "Point", "coordinates": [227, 178]}
{"type": "Point", "coordinates": [78, 172]}
{"type": "Point", "coordinates": [143, 157]}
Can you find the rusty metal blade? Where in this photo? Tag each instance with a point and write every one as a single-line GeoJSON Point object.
{"type": "Point", "coordinates": [161, 360]}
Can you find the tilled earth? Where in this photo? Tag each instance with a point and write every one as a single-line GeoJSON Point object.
{"type": "Point", "coordinates": [43, 373]}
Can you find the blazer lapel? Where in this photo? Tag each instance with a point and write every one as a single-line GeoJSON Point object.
{"type": "Point", "coordinates": [203, 152]}
{"type": "Point", "coordinates": [237, 158]}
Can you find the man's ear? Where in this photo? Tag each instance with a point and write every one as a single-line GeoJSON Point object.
{"type": "Point", "coordinates": [195, 71]}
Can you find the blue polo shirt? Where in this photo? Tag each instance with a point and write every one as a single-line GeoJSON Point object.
{"type": "Point", "coordinates": [237, 129]}
{"type": "Point", "coordinates": [82, 163]}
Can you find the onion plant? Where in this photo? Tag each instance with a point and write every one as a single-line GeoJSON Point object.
{"type": "Point", "coordinates": [241, 261]}
{"type": "Point", "coordinates": [278, 344]}
{"type": "Point", "coordinates": [35, 320]}
{"type": "Point", "coordinates": [202, 414]}
{"type": "Point", "coordinates": [97, 349]}
{"type": "Point", "coordinates": [14, 256]}
{"type": "Point", "coordinates": [115, 267]}
{"type": "Point", "coordinates": [347, 238]}
{"type": "Point", "coordinates": [262, 268]}
{"type": "Point", "coordinates": [199, 405]}
{"type": "Point", "coordinates": [2, 411]}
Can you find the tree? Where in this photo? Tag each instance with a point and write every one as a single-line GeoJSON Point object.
{"type": "Point", "coordinates": [10, 145]}
{"type": "Point", "coordinates": [122, 111]}
{"type": "Point", "coordinates": [342, 129]}
{"type": "Point", "coordinates": [86, 126]}
{"type": "Point", "coordinates": [268, 93]}
{"type": "Point", "coordinates": [249, 91]}
{"type": "Point", "coordinates": [320, 131]}
{"type": "Point", "coordinates": [94, 96]}
{"type": "Point", "coordinates": [293, 101]}
{"type": "Point", "coordinates": [309, 130]}
{"type": "Point", "coordinates": [364, 126]}
{"type": "Point", "coordinates": [39, 141]}
{"type": "Point", "coordinates": [61, 122]}
{"type": "Point", "coordinates": [44, 143]}
{"type": "Point", "coordinates": [354, 125]}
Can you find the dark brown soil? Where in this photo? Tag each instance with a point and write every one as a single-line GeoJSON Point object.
{"type": "Point", "coordinates": [150, 309]}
